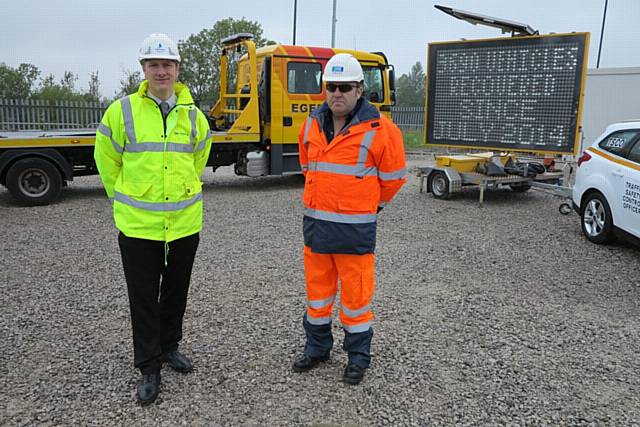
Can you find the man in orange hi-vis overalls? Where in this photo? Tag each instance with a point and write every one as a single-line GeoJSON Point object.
{"type": "Point", "coordinates": [353, 161]}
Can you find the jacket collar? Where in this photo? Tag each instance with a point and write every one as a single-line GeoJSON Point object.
{"type": "Point", "coordinates": [181, 90]}
{"type": "Point", "coordinates": [363, 111]}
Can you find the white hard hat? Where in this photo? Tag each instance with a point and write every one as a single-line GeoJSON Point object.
{"type": "Point", "coordinates": [342, 67]}
{"type": "Point", "coordinates": [159, 46]}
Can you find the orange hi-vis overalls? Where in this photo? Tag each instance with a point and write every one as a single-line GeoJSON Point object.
{"type": "Point", "coordinates": [347, 181]}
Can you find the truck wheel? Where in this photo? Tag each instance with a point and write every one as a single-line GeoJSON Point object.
{"type": "Point", "coordinates": [597, 222]}
{"type": "Point", "coordinates": [520, 187]}
{"type": "Point", "coordinates": [439, 185]}
{"type": "Point", "coordinates": [34, 181]}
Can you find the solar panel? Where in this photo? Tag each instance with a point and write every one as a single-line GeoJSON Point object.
{"type": "Point", "coordinates": [507, 94]}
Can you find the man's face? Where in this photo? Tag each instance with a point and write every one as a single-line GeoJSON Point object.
{"type": "Point", "coordinates": [342, 97]}
{"type": "Point", "coordinates": [161, 74]}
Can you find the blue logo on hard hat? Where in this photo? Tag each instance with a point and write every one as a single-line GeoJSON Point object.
{"type": "Point", "coordinates": [337, 69]}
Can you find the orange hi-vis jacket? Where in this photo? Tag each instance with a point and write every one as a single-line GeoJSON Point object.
{"type": "Point", "coordinates": [348, 179]}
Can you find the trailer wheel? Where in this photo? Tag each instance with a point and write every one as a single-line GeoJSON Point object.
{"type": "Point", "coordinates": [34, 181]}
{"type": "Point", "coordinates": [520, 187]}
{"type": "Point", "coordinates": [439, 185]}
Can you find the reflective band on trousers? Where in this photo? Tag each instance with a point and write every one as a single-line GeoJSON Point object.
{"type": "Point", "coordinates": [356, 329]}
{"type": "Point", "coordinates": [321, 303]}
{"type": "Point", "coordinates": [355, 313]}
{"type": "Point", "coordinates": [342, 218]}
{"type": "Point", "coordinates": [318, 320]}
{"type": "Point", "coordinates": [157, 206]}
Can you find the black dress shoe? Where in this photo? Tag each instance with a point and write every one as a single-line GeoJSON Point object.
{"type": "Point", "coordinates": [353, 374]}
{"type": "Point", "coordinates": [178, 361]}
{"type": "Point", "coordinates": [306, 363]}
{"type": "Point", "coordinates": [149, 388]}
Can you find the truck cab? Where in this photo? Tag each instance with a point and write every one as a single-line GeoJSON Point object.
{"type": "Point", "coordinates": [256, 120]}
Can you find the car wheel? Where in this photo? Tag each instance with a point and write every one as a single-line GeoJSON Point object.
{"type": "Point", "coordinates": [597, 222]}
{"type": "Point", "coordinates": [34, 181]}
{"type": "Point", "coordinates": [439, 185]}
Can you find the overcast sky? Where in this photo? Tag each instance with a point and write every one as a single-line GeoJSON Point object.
{"type": "Point", "coordinates": [87, 35]}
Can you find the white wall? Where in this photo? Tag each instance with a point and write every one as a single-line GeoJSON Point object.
{"type": "Point", "coordinates": [611, 95]}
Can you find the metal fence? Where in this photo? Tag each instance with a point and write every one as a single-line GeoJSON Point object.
{"type": "Point", "coordinates": [33, 114]}
{"type": "Point", "coordinates": [408, 118]}
{"type": "Point", "coordinates": [30, 114]}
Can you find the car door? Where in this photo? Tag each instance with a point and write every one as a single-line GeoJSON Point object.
{"type": "Point", "coordinates": [628, 214]}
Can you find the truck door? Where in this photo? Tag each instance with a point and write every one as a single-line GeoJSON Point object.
{"type": "Point", "coordinates": [300, 86]}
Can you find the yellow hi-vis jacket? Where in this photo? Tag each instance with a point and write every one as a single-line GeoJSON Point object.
{"type": "Point", "coordinates": [151, 166]}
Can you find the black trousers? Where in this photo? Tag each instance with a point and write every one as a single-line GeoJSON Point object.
{"type": "Point", "coordinates": [157, 294]}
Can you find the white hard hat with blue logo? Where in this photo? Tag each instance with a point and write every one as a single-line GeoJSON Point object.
{"type": "Point", "coordinates": [343, 67]}
{"type": "Point", "coordinates": [159, 46]}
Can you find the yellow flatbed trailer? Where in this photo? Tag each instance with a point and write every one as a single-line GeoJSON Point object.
{"type": "Point", "coordinates": [35, 165]}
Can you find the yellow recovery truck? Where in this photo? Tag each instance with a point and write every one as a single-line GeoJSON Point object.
{"type": "Point", "coordinates": [255, 123]}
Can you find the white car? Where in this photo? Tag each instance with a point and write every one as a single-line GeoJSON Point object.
{"type": "Point", "coordinates": [606, 193]}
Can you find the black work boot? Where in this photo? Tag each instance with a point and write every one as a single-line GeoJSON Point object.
{"type": "Point", "coordinates": [178, 361]}
{"type": "Point", "coordinates": [149, 388]}
{"type": "Point", "coordinates": [353, 374]}
{"type": "Point", "coordinates": [306, 363]}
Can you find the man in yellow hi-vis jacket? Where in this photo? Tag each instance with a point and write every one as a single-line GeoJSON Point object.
{"type": "Point", "coordinates": [151, 148]}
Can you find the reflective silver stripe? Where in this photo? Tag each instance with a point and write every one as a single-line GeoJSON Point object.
{"type": "Point", "coordinates": [320, 303]}
{"type": "Point", "coordinates": [318, 320]}
{"type": "Point", "coordinates": [355, 313]}
{"type": "Point", "coordinates": [158, 147]}
{"type": "Point", "coordinates": [306, 131]}
{"type": "Point", "coordinates": [342, 218]}
{"type": "Point", "coordinates": [193, 113]}
{"type": "Point", "coordinates": [367, 139]}
{"type": "Point", "coordinates": [201, 145]}
{"type": "Point", "coordinates": [364, 327]}
{"type": "Point", "coordinates": [358, 170]}
{"type": "Point", "coordinates": [343, 169]}
{"type": "Point", "coordinates": [175, 147]}
{"type": "Point", "coordinates": [107, 132]}
{"type": "Point", "coordinates": [389, 176]}
{"type": "Point", "coordinates": [104, 130]}
{"type": "Point", "coordinates": [157, 206]}
{"type": "Point", "coordinates": [127, 115]}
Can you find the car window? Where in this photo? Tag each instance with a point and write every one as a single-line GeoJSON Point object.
{"type": "Point", "coordinates": [617, 142]}
{"type": "Point", "coordinates": [634, 153]}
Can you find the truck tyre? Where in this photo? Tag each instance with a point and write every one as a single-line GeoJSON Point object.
{"type": "Point", "coordinates": [597, 222]}
{"type": "Point", "coordinates": [34, 181]}
{"type": "Point", "coordinates": [439, 185]}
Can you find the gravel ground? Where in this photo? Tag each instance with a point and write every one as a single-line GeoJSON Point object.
{"type": "Point", "coordinates": [500, 314]}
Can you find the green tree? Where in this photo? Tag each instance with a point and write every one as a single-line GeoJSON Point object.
{"type": "Point", "coordinates": [17, 83]}
{"type": "Point", "coordinates": [129, 83]}
{"type": "Point", "coordinates": [50, 90]}
{"type": "Point", "coordinates": [200, 54]}
{"type": "Point", "coordinates": [410, 89]}
{"type": "Point", "coordinates": [93, 94]}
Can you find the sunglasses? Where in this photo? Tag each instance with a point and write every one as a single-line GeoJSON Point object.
{"type": "Point", "coordinates": [344, 88]}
